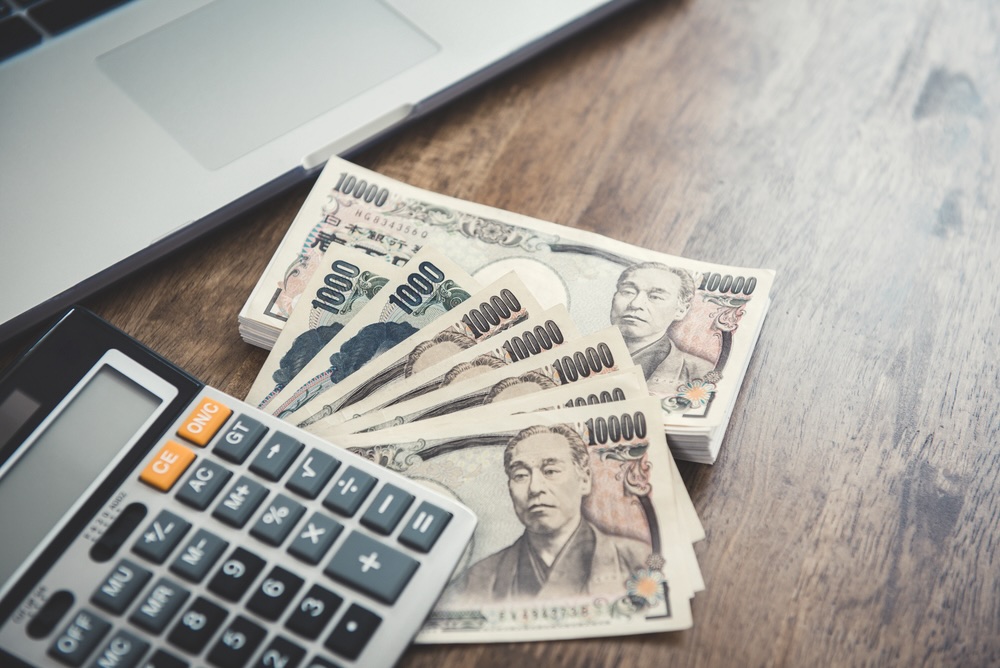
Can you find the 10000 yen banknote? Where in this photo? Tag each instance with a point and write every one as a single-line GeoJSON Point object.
{"type": "Point", "coordinates": [431, 285]}
{"type": "Point", "coordinates": [690, 325]}
{"type": "Point", "coordinates": [548, 330]}
{"type": "Point", "coordinates": [347, 280]}
{"type": "Point", "coordinates": [497, 307]}
{"type": "Point", "coordinates": [591, 356]}
{"type": "Point", "coordinates": [579, 532]}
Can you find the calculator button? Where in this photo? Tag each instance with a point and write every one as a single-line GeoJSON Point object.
{"type": "Point", "coordinates": [236, 574]}
{"type": "Point", "coordinates": [387, 509]}
{"type": "Point", "coordinates": [159, 606]}
{"type": "Point", "coordinates": [167, 466]}
{"type": "Point", "coordinates": [423, 529]}
{"type": "Point", "coordinates": [312, 474]}
{"type": "Point", "coordinates": [237, 644]}
{"type": "Point", "coordinates": [204, 421]}
{"type": "Point", "coordinates": [313, 612]}
{"type": "Point", "coordinates": [163, 659]}
{"type": "Point", "coordinates": [120, 587]}
{"type": "Point", "coordinates": [279, 518]}
{"type": "Point", "coordinates": [274, 594]}
{"type": "Point", "coordinates": [123, 651]}
{"type": "Point", "coordinates": [282, 653]}
{"type": "Point", "coordinates": [204, 483]}
{"type": "Point", "coordinates": [320, 662]}
{"type": "Point", "coordinates": [315, 538]}
{"type": "Point", "coordinates": [161, 537]}
{"type": "Point", "coordinates": [236, 444]}
{"type": "Point", "coordinates": [276, 456]}
{"type": "Point", "coordinates": [349, 492]}
{"type": "Point", "coordinates": [79, 638]}
{"type": "Point", "coordinates": [198, 556]}
{"type": "Point", "coordinates": [240, 503]}
{"type": "Point", "coordinates": [197, 625]}
{"type": "Point", "coordinates": [371, 567]}
{"type": "Point", "coordinates": [118, 532]}
{"type": "Point", "coordinates": [353, 632]}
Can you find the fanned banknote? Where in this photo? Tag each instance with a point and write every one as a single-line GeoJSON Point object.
{"type": "Point", "coordinates": [548, 330]}
{"type": "Point", "coordinates": [576, 360]}
{"type": "Point", "coordinates": [690, 325]}
{"type": "Point", "coordinates": [347, 280]}
{"type": "Point", "coordinates": [497, 307]}
{"type": "Point", "coordinates": [431, 285]}
{"type": "Point", "coordinates": [580, 533]}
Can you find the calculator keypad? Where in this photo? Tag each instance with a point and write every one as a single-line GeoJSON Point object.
{"type": "Point", "coordinates": [253, 545]}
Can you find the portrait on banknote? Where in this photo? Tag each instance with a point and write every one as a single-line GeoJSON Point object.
{"type": "Point", "coordinates": [561, 552]}
{"type": "Point", "coordinates": [649, 298]}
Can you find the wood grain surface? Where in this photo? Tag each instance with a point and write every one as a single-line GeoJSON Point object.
{"type": "Point", "coordinates": [851, 146]}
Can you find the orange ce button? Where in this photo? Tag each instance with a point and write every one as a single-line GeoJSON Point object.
{"type": "Point", "coordinates": [168, 465]}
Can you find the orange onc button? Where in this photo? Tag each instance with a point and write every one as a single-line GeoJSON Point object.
{"type": "Point", "coordinates": [167, 466]}
{"type": "Point", "coordinates": [204, 421]}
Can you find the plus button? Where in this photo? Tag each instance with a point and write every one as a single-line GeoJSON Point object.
{"type": "Point", "coordinates": [370, 562]}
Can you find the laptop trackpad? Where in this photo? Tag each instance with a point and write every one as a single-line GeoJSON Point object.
{"type": "Point", "coordinates": [233, 75]}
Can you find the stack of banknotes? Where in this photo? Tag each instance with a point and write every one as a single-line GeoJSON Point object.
{"type": "Point", "coordinates": [535, 373]}
{"type": "Point", "coordinates": [689, 327]}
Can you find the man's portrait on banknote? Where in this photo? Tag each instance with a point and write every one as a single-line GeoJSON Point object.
{"type": "Point", "coordinates": [516, 386]}
{"type": "Point", "coordinates": [649, 298]}
{"type": "Point", "coordinates": [472, 368]}
{"type": "Point", "coordinates": [560, 553]}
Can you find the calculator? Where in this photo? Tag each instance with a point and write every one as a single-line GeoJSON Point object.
{"type": "Point", "coordinates": [147, 519]}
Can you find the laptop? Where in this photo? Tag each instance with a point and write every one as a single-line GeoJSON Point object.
{"type": "Point", "coordinates": [128, 135]}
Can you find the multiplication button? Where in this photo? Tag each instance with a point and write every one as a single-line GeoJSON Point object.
{"type": "Point", "coordinates": [371, 567]}
{"type": "Point", "coordinates": [315, 538]}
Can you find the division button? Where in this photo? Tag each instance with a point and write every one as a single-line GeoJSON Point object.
{"type": "Point", "coordinates": [204, 483]}
{"type": "Point", "coordinates": [274, 594]}
{"type": "Point", "coordinates": [79, 638]}
{"type": "Point", "coordinates": [349, 492]}
{"type": "Point", "coordinates": [387, 509]}
{"type": "Point", "coordinates": [204, 421]}
{"type": "Point", "coordinates": [123, 651]}
{"type": "Point", "coordinates": [161, 537]}
{"type": "Point", "coordinates": [371, 567]}
{"type": "Point", "coordinates": [237, 643]}
{"type": "Point", "coordinates": [312, 474]}
{"type": "Point", "coordinates": [353, 632]}
{"type": "Point", "coordinates": [236, 574]}
{"type": "Point", "coordinates": [240, 503]}
{"type": "Point", "coordinates": [198, 556]}
{"type": "Point", "coordinates": [276, 456]}
{"type": "Point", "coordinates": [236, 444]}
{"type": "Point", "coordinates": [423, 529]}
{"type": "Point", "coordinates": [120, 587]}
{"type": "Point", "coordinates": [315, 538]}
{"type": "Point", "coordinates": [313, 612]}
{"type": "Point", "coordinates": [159, 606]}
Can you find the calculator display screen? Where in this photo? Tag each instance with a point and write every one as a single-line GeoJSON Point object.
{"type": "Point", "coordinates": [63, 461]}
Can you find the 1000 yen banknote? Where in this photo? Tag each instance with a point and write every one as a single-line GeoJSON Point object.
{"type": "Point", "coordinates": [539, 334]}
{"type": "Point", "coordinates": [497, 307]}
{"type": "Point", "coordinates": [591, 356]}
{"type": "Point", "coordinates": [578, 534]}
{"type": "Point", "coordinates": [431, 285]}
{"type": "Point", "coordinates": [347, 280]}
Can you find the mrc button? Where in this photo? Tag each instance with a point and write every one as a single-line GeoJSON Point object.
{"type": "Point", "coordinates": [204, 421]}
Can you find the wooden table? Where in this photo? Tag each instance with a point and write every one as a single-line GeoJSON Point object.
{"type": "Point", "coordinates": [850, 146]}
